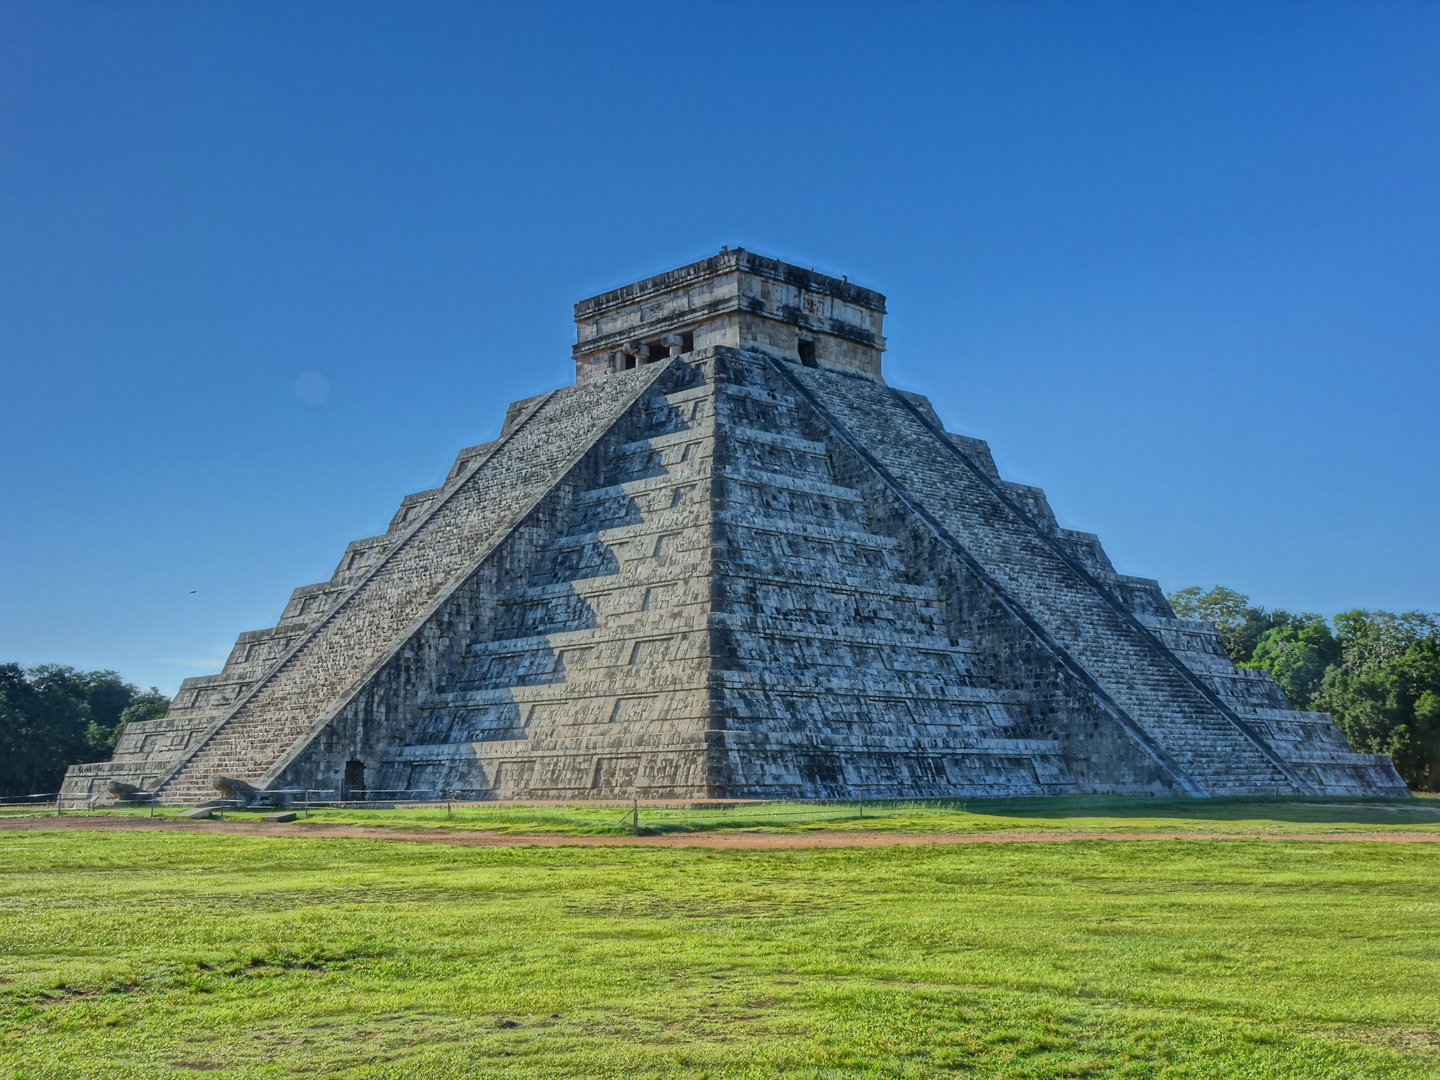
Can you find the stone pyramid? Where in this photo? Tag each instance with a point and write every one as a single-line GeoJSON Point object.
{"type": "Point", "coordinates": [730, 562]}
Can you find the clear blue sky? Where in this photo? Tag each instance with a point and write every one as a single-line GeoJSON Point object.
{"type": "Point", "coordinates": [1177, 262]}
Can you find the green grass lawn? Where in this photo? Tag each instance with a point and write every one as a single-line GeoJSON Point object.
{"type": "Point", "coordinates": [1073, 814]}
{"type": "Point", "coordinates": [1050, 814]}
{"type": "Point", "coordinates": [140, 955]}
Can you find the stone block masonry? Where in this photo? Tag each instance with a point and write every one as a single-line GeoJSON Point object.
{"type": "Point", "coordinates": [731, 562]}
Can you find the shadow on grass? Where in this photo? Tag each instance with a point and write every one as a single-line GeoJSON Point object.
{"type": "Point", "coordinates": [1294, 809]}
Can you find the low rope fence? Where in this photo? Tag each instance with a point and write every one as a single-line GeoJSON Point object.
{"type": "Point", "coordinates": [47, 801]}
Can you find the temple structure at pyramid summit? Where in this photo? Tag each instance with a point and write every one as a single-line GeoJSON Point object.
{"type": "Point", "coordinates": [730, 562]}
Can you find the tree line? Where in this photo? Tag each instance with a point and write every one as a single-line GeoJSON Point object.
{"type": "Point", "coordinates": [1376, 672]}
{"type": "Point", "coordinates": [52, 717]}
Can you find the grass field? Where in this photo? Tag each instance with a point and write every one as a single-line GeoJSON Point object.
{"type": "Point", "coordinates": [170, 954]}
{"type": "Point", "coordinates": [1065, 814]}
{"type": "Point", "coordinates": [1075, 814]}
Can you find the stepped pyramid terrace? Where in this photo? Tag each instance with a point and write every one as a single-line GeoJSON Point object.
{"type": "Point", "coordinates": [730, 562]}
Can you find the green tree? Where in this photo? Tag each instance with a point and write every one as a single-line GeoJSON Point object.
{"type": "Point", "coordinates": [1297, 652]}
{"type": "Point", "coordinates": [1225, 609]}
{"type": "Point", "coordinates": [1385, 691]}
{"type": "Point", "coordinates": [1374, 637]}
{"type": "Point", "coordinates": [52, 717]}
{"type": "Point", "coordinates": [150, 705]}
{"type": "Point", "coordinates": [1241, 624]}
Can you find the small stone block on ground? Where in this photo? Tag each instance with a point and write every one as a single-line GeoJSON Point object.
{"type": "Point", "coordinates": [197, 813]}
{"type": "Point", "coordinates": [283, 816]}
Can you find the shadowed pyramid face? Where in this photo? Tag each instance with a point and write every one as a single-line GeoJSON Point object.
{"type": "Point", "coordinates": [730, 562]}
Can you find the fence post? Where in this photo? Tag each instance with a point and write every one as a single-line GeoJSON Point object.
{"type": "Point", "coordinates": [57, 803]}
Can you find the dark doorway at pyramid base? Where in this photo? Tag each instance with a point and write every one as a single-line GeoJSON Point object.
{"type": "Point", "coordinates": [353, 784]}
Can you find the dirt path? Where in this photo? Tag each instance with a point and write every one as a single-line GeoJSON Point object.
{"type": "Point", "coordinates": [716, 841]}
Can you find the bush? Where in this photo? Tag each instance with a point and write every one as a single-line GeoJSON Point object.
{"type": "Point", "coordinates": [52, 717]}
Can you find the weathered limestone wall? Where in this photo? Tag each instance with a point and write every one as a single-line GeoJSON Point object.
{"type": "Point", "coordinates": [1102, 754]}
{"type": "Point", "coordinates": [837, 672]}
{"type": "Point", "coordinates": [734, 299]}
